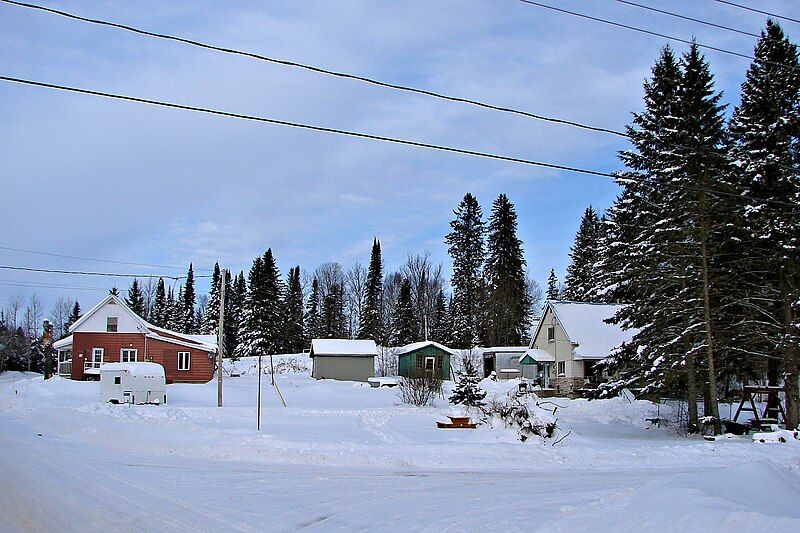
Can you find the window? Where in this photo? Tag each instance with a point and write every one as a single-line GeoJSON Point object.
{"type": "Point", "coordinates": [96, 359]}
{"type": "Point", "coordinates": [562, 368]}
{"type": "Point", "coordinates": [128, 355]}
{"type": "Point", "coordinates": [111, 324]}
{"type": "Point", "coordinates": [551, 334]}
{"type": "Point", "coordinates": [420, 361]}
{"type": "Point", "coordinates": [184, 360]}
{"type": "Point", "coordinates": [430, 363]}
{"type": "Point", "coordinates": [117, 380]}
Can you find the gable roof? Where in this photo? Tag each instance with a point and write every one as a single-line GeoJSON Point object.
{"type": "Point", "coordinates": [414, 346]}
{"type": "Point", "coordinates": [206, 342]}
{"type": "Point", "coordinates": [343, 348]}
{"type": "Point", "coordinates": [586, 327]}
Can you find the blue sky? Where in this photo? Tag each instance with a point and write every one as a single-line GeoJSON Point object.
{"type": "Point", "coordinates": [94, 178]}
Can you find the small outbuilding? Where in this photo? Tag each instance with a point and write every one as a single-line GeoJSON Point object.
{"type": "Point", "coordinates": [422, 357]}
{"type": "Point", "coordinates": [343, 359]}
{"type": "Point", "coordinates": [136, 383]}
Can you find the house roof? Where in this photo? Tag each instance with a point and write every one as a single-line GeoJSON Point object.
{"type": "Point", "coordinates": [62, 343]}
{"type": "Point", "coordinates": [505, 349]}
{"type": "Point", "coordinates": [536, 355]}
{"type": "Point", "coordinates": [206, 342]}
{"type": "Point", "coordinates": [586, 327]}
{"type": "Point", "coordinates": [343, 348]}
{"type": "Point", "coordinates": [414, 346]}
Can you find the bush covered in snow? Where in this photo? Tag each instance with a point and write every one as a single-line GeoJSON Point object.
{"type": "Point", "coordinates": [527, 416]}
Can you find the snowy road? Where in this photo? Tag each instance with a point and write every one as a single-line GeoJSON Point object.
{"type": "Point", "coordinates": [348, 457]}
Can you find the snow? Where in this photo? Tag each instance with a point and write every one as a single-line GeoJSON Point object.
{"type": "Point", "coordinates": [585, 324]}
{"type": "Point", "coordinates": [344, 347]}
{"type": "Point", "coordinates": [344, 455]}
{"type": "Point", "coordinates": [135, 369]}
{"type": "Point", "coordinates": [422, 344]}
{"type": "Point", "coordinates": [539, 355]}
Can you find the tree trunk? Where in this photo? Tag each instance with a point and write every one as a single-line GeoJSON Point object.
{"type": "Point", "coordinates": [790, 348]}
{"type": "Point", "coordinates": [712, 377]}
{"type": "Point", "coordinates": [691, 387]}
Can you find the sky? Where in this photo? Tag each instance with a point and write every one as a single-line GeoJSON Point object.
{"type": "Point", "coordinates": [93, 178]}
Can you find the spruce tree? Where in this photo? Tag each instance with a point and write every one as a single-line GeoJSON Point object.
{"type": "Point", "coordinates": [135, 299]}
{"type": "Point", "coordinates": [370, 323]}
{"type": "Point", "coordinates": [294, 312]}
{"type": "Point", "coordinates": [160, 305]}
{"type": "Point", "coordinates": [440, 327]}
{"type": "Point", "coordinates": [210, 323]}
{"type": "Point", "coordinates": [552, 286]}
{"type": "Point", "coordinates": [189, 324]}
{"type": "Point", "coordinates": [506, 302]}
{"type": "Point", "coordinates": [74, 315]}
{"type": "Point", "coordinates": [466, 248]}
{"type": "Point", "coordinates": [764, 138]}
{"type": "Point", "coordinates": [405, 327]}
{"type": "Point", "coordinates": [175, 314]}
{"type": "Point", "coordinates": [581, 281]}
{"type": "Point", "coordinates": [313, 320]}
{"type": "Point", "coordinates": [235, 304]}
{"type": "Point", "coordinates": [467, 391]}
{"type": "Point", "coordinates": [261, 329]}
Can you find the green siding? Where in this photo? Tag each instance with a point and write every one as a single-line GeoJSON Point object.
{"type": "Point", "coordinates": [407, 362]}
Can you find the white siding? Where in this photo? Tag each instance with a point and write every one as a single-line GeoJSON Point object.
{"type": "Point", "coordinates": [97, 321]}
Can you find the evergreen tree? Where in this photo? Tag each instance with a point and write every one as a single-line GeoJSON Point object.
{"type": "Point", "coordinates": [260, 333]}
{"type": "Point", "coordinates": [160, 306]}
{"type": "Point", "coordinates": [175, 314]}
{"type": "Point", "coordinates": [74, 315]}
{"type": "Point", "coordinates": [189, 324]}
{"type": "Point", "coordinates": [313, 320]}
{"type": "Point", "coordinates": [235, 305]}
{"type": "Point", "coordinates": [370, 323]}
{"type": "Point", "coordinates": [210, 324]}
{"type": "Point", "coordinates": [114, 291]}
{"type": "Point", "coordinates": [581, 281]}
{"type": "Point", "coordinates": [294, 312]}
{"type": "Point", "coordinates": [506, 303]}
{"type": "Point", "coordinates": [36, 356]}
{"type": "Point", "coordinates": [334, 322]}
{"type": "Point", "coordinates": [552, 286]}
{"type": "Point", "coordinates": [764, 141]}
{"type": "Point", "coordinates": [467, 391]}
{"type": "Point", "coordinates": [135, 299]}
{"type": "Point", "coordinates": [405, 327]}
{"type": "Point", "coordinates": [440, 328]}
{"type": "Point", "coordinates": [466, 248]}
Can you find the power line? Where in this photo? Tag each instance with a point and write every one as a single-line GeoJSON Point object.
{"type": "Point", "coordinates": [319, 70]}
{"type": "Point", "coordinates": [86, 273]}
{"type": "Point", "coordinates": [394, 140]}
{"type": "Point", "coordinates": [35, 285]}
{"type": "Point", "coordinates": [684, 17]}
{"type": "Point", "coordinates": [748, 8]}
{"type": "Point", "coordinates": [95, 259]}
{"type": "Point", "coordinates": [648, 32]}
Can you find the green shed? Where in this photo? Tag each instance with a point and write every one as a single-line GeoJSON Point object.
{"type": "Point", "coordinates": [425, 356]}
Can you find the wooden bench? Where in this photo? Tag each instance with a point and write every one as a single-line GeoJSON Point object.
{"type": "Point", "coordinates": [457, 422]}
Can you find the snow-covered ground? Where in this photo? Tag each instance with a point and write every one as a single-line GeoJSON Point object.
{"type": "Point", "coordinates": [347, 456]}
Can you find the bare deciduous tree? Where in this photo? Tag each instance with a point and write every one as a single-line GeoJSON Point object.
{"type": "Point", "coordinates": [60, 316]}
{"type": "Point", "coordinates": [426, 281]}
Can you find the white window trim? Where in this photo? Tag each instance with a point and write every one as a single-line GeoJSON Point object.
{"type": "Point", "coordinates": [433, 363]}
{"type": "Point", "coordinates": [94, 361]}
{"type": "Point", "coordinates": [558, 369]}
{"type": "Point", "coordinates": [116, 326]}
{"type": "Point", "coordinates": [188, 361]}
{"type": "Point", "coordinates": [553, 338]}
{"type": "Point", "coordinates": [135, 355]}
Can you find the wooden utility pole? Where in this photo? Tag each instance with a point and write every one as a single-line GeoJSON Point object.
{"type": "Point", "coordinates": [221, 334]}
{"type": "Point", "coordinates": [258, 408]}
{"type": "Point", "coordinates": [47, 342]}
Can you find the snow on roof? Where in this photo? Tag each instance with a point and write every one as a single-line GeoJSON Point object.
{"type": "Point", "coordinates": [585, 325]}
{"type": "Point", "coordinates": [536, 355]}
{"type": "Point", "coordinates": [63, 343]}
{"type": "Point", "coordinates": [505, 349]}
{"type": "Point", "coordinates": [135, 369]}
{"type": "Point", "coordinates": [343, 347]}
{"type": "Point", "coordinates": [414, 346]}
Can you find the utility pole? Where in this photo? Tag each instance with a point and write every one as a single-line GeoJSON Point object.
{"type": "Point", "coordinates": [47, 342]}
{"type": "Point", "coordinates": [221, 334]}
{"type": "Point", "coordinates": [258, 409]}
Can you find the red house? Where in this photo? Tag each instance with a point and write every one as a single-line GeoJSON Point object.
{"type": "Point", "coordinates": [112, 333]}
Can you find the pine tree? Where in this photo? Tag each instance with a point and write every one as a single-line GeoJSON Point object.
{"type": "Point", "coordinates": [189, 324]}
{"type": "Point", "coordinates": [135, 299]}
{"type": "Point", "coordinates": [114, 291]}
{"type": "Point", "coordinates": [74, 315]}
{"type": "Point", "coordinates": [235, 305]}
{"type": "Point", "coordinates": [160, 305]}
{"type": "Point", "coordinates": [440, 328]}
{"type": "Point", "coordinates": [313, 320]}
{"type": "Point", "coordinates": [405, 327]}
{"type": "Point", "coordinates": [175, 314]}
{"type": "Point", "coordinates": [764, 140]}
{"type": "Point", "coordinates": [334, 322]}
{"type": "Point", "coordinates": [36, 357]}
{"type": "Point", "coordinates": [260, 333]}
{"type": "Point", "coordinates": [294, 312]}
{"type": "Point", "coordinates": [552, 286]}
{"type": "Point", "coordinates": [210, 324]}
{"type": "Point", "coordinates": [370, 323]}
{"type": "Point", "coordinates": [466, 248]}
{"type": "Point", "coordinates": [467, 391]}
{"type": "Point", "coordinates": [506, 303]}
{"type": "Point", "coordinates": [581, 281]}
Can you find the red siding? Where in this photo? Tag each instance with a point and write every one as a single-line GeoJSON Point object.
{"type": "Point", "coordinates": [164, 353]}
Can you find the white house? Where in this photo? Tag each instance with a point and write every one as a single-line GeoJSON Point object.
{"type": "Point", "coordinates": [576, 336]}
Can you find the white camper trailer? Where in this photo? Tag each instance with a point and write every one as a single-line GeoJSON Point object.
{"type": "Point", "coordinates": [134, 383]}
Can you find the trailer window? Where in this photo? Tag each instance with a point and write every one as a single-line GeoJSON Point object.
{"type": "Point", "coordinates": [117, 380]}
{"type": "Point", "coordinates": [184, 360]}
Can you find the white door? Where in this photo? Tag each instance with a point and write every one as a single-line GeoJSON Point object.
{"type": "Point", "coordinates": [430, 363]}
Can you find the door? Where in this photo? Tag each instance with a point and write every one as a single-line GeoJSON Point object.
{"type": "Point", "coordinates": [430, 364]}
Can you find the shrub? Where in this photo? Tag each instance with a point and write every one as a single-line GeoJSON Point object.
{"type": "Point", "coordinates": [420, 388]}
